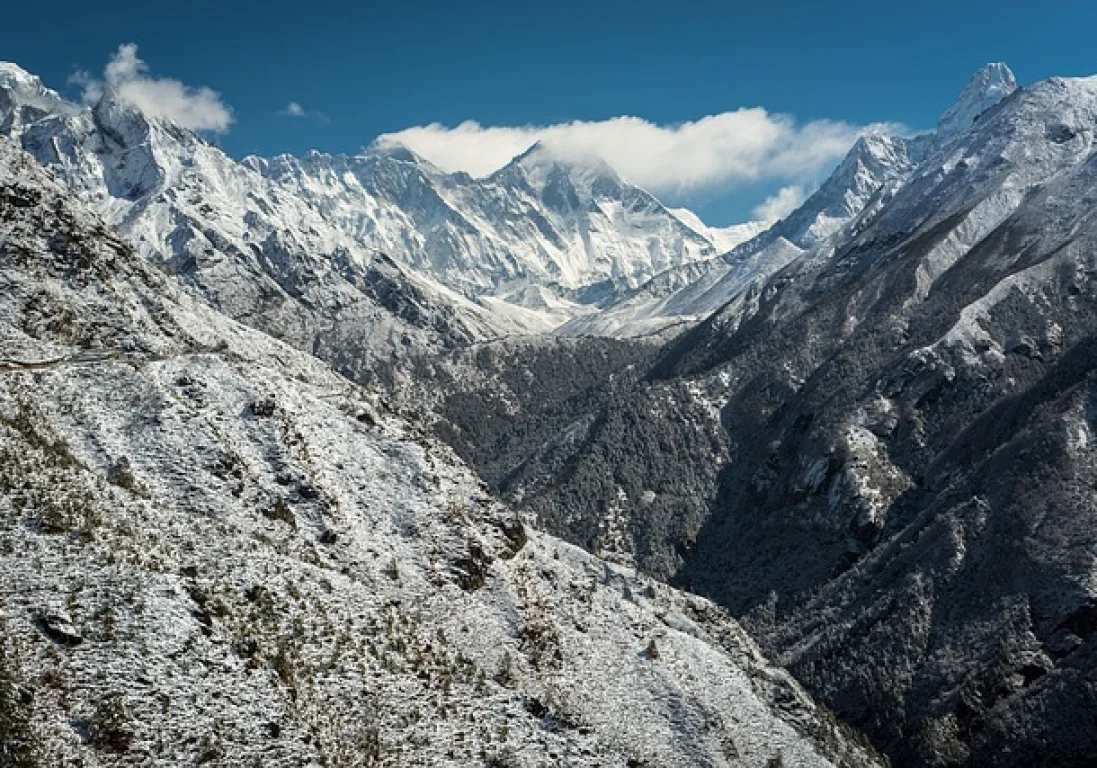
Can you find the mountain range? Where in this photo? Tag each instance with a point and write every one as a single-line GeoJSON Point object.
{"type": "Point", "coordinates": [363, 462]}
{"type": "Point", "coordinates": [541, 241]}
{"type": "Point", "coordinates": [216, 550]}
{"type": "Point", "coordinates": [543, 232]}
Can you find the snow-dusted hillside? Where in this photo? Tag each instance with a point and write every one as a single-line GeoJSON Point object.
{"type": "Point", "coordinates": [215, 550]}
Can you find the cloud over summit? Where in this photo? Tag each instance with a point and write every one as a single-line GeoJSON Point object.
{"type": "Point", "coordinates": [718, 151]}
{"type": "Point", "coordinates": [780, 204]}
{"type": "Point", "coordinates": [296, 110]}
{"type": "Point", "coordinates": [200, 109]}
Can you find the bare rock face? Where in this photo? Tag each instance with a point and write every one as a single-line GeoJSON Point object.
{"type": "Point", "coordinates": [57, 626]}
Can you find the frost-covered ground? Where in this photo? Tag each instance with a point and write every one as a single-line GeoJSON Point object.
{"type": "Point", "coordinates": [214, 550]}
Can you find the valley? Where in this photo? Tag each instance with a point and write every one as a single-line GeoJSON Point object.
{"type": "Point", "coordinates": [363, 462]}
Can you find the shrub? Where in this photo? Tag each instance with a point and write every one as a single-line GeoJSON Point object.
{"type": "Point", "coordinates": [110, 726]}
{"type": "Point", "coordinates": [16, 737]}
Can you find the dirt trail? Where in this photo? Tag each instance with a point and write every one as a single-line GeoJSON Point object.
{"type": "Point", "coordinates": [80, 358]}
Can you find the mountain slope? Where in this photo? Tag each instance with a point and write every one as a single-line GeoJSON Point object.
{"type": "Point", "coordinates": [623, 468]}
{"type": "Point", "coordinates": [214, 550]}
{"type": "Point", "coordinates": [888, 447]}
{"type": "Point", "coordinates": [910, 420]}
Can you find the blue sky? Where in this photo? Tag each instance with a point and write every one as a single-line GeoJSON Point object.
{"type": "Point", "coordinates": [360, 70]}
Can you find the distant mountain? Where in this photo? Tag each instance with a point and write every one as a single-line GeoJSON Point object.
{"type": "Point", "coordinates": [543, 241]}
{"type": "Point", "coordinates": [724, 238]}
{"type": "Point", "coordinates": [574, 228]}
{"type": "Point", "coordinates": [987, 88]}
{"type": "Point", "coordinates": [241, 242]}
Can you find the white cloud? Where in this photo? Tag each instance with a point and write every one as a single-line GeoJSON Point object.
{"type": "Point", "coordinates": [778, 206]}
{"type": "Point", "coordinates": [294, 109]}
{"type": "Point", "coordinates": [718, 151]}
{"type": "Point", "coordinates": [200, 109]}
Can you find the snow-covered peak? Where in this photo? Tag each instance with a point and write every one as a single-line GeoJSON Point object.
{"type": "Point", "coordinates": [125, 123]}
{"type": "Point", "coordinates": [390, 153]}
{"type": "Point", "coordinates": [981, 178]}
{"type": "Point", "coordinates": [547, 220]}
{"type": "Point", "coordinates": [544, 155]}
{"type": "Point", "coordinates": [874, 162]}
{"type": "Point", "coordinates": [876, 152]}
{"type": "Point", "coordinates": [396, 152]}
{"type": "Point", "coordinates": [14, 78]}
{"type": "Point", "coordinates": [14, 74]}
{"type": "Point", "coordinates": [20, 89]}
{"type": "Point", "coordinates": [546, 168]}
{"type": "Point", "coordinates": [878, 161]}
{"type": "Point", "coordinates": [987, 88]}
{"type": "Point", "coordinates": [724, 238]}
